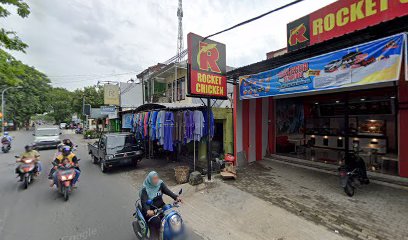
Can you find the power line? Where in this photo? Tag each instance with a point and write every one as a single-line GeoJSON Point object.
{"type": "Point", "coordinates": [255, 18]}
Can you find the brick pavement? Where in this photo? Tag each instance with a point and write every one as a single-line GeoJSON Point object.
{"type": "Point", "coordinates": [376, 212]}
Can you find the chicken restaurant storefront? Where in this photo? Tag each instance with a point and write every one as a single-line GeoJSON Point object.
{"type": "Point", "coordinates": [330, 95]}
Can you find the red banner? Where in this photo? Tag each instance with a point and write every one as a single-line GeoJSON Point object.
{"type": "Point", "coordinates": [340, 18]}
{"type": "Point", "coordinates": [207, 67]}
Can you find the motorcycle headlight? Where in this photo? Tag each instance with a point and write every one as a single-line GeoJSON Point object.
{"type": "Point", "coordinates": [63, 178]}
{"type": "Point", "coordinates": [175, 223]}
{"type": "Point", "coordinates": [109, 156]}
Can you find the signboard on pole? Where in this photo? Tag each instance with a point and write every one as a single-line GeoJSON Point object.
{"type": "Point", "coordinates": [340, 18]}
{"type": "Point", "coordinates": [207, 68]}
{"type": "Point", "coordinates": [111, 94]}
{"type": "Point", "coordinates": [374, 62]}
{"type": "Point", "coordinates": [108, 109]}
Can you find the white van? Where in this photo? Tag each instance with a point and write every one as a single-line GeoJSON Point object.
{"type": "Point", "coordinates": [47, 137]}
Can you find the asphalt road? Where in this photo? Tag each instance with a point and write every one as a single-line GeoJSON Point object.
{"type": "Point", "coordinates": [100, 208]}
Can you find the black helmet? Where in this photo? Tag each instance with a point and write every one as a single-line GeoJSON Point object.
{"type": "Point", "coordinates": [29, 147]}
{"type": "Point", "coordinates": [66, 150]}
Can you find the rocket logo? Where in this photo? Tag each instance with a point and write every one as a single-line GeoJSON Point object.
{"type": "Point", "coordinates": [208, 56]}
{"type": "Point", "coordinates": [297, 35]}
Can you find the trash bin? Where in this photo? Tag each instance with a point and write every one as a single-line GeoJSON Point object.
{"type": "Point", "coordinates": [181, 173]}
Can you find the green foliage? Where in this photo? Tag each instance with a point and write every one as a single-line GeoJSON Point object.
{"type": "Point", "coordinates": [60, 108]}
{"type": "Point", "coordinates": [9, 39]}
{"type": "Point", "coordinates": [31, 99]}
{"type": "Point", "coordinates": [93, 95]}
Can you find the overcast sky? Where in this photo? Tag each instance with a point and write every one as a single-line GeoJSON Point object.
{"type": "Point", "coordinates": [78, 42]}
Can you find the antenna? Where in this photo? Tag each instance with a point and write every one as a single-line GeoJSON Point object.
{"type": "Point", "coordinates": [180, 31]}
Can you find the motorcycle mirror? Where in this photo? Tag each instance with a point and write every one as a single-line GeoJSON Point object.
{"type": "Point", "coordinates": [181, 191]}
{"type": "Point", "coordinates": [149, 202]}
{"type": "Point", "coordinates": [17, 156]}
{"type": "Point", "coordinates": [33, 134]}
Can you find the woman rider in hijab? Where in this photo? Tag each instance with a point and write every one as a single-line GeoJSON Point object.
{"type": "Point", "coordinates": [153, 189]}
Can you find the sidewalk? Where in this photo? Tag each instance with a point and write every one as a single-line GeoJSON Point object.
{"type": "Point", "coordinates": [375, 212]}
{"type": "Point", "coordinates": [219, 211]}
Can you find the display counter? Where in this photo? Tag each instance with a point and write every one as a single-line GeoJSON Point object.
{"type": "Point", "coordinates": [366, 143]}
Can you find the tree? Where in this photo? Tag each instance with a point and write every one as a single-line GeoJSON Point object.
{"type": "Point", "coordinates": [60, 107]}
{"type": "Point", "coordinates": [32, 98]}
{"type": "Point", "coordinates": [9, 39]}
{"type": "Point", "coordinates": [93, 95]}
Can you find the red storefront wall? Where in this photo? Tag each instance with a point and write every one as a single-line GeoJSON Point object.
{"type": "Point", "coordinates": [403, 126]}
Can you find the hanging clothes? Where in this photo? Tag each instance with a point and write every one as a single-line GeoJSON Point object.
{"type": "Point", "coordinates": [146, 125]}
{"type": "Point", "coordinates": [189, 129]}
{"type": "Point", "coordinates": [205, 132]}
{"type": "Point", "coordinates": [168, 131]}
{"type": "Point", "coordinates": [161, 119]}
{"type": "Point", "coordinates": [141, 126]}
{"type": "Point", "coordinates": [199, 122]}
{"type": "Point", "coordinates": [179, 126]}
{"type": "Point", "coordinates": [153, 125]}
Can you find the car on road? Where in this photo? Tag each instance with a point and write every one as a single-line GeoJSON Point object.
{"type": "Point", "coordinates": [46, 137]}
{"type": "Point", "coordinates": [63, 125]}
{"type": "Point", "coordinates": [115, 149]}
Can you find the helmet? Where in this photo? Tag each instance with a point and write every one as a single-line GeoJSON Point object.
{"type": "Point", "coordinates": [29, 147]}
{"type": "Point", "coordinates": [66, 141]}
{"type": "Point", "coordinates": [6, 133]}
{"type": "Point", "coordinates": [60, 146]}
{"type": "Point", "coordinates": [66, 150]}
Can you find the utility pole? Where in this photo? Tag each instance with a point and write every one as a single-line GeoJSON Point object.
{"type": "Point", "coordinates": [3, 105]}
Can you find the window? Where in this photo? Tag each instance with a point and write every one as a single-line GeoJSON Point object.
{"type": "Point", "coordinates": [181, 94]}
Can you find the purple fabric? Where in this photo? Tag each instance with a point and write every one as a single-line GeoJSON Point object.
{"type": "Point", "coordinates": [189, 120]}
{"type": "Point", "coordinates": [168, 131]}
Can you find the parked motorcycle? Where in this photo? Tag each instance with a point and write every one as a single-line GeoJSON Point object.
{"type": "Point", "coordinates": [79, 130]}
{"type": "Point", "coordinates": [6, 146]}
{"type": "Point", "coordinates": [172, 225]}
{"type": "Point", "coordinates": [353, 174]}
{"type": "Point", "coordinates": [65, 175]}
{"type": "Point", "coordinates": [26, 171]}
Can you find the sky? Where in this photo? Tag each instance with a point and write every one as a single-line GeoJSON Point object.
{"type": "Point", "coordinates": [80, 42]}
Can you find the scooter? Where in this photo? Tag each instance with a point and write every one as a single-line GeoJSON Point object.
{"type": "Point", "coordinates": [172, 225]}
{"type": "Point", "coordinates": [350, 174]}
{"type": "Point", "coordinates": [65, 175]}
{"type": "Point", "coordinates": [26, 171]}
{"type": "Point", "coordinates": [6, 146]}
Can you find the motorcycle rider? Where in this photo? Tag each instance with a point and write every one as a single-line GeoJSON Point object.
{"type": "Point", "coordinates": [66, 154]}
{"type": "Point", "coordinates": [68, 142]}
{"type": "Point", "coordinates": [153, 189]}
{"type": "Point", "coordinates": [31, 153]}
{"type": "Point", "coordinates": [6, 137]}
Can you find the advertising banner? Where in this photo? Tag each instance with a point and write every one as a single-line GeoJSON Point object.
{"type": "Point", "coordinates": [207, 68]}
{"type": "Point", "coordinates": [111, 94]}
{"type": "Point", "coordinates": [369, 63]}
{"type": "Point", "coordinates": [127, 120]}
{"type": "Point", "coordinates": [340, 18]}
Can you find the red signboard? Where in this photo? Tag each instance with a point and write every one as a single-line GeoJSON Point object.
{"type": "Point", "coordinates": [342, 17]}
{"type": "Point", "coordinates": [207, 68]}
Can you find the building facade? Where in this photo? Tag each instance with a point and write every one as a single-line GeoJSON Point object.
{"type": "Point", "coordinates": [309, 119]}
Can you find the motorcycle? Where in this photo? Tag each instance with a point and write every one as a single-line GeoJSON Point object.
{"type": "Point", "coordinates": [65, 175]}
{"type": "Point", "coordinates": [26, 171]}
{"type": "Point", "coordinates": [79, 130]}
{"type": "Point", "coordinates": [6, 146]}
{"type": "Point", "coordinates": [350, 174]}
{"type": "Point", "coordinates": [172, 225]}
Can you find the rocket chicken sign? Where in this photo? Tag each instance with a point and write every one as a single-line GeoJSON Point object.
{"type": "Point", "coordinates": [342, 17]}
{"type": "Point", "coordinates": [207, 65]}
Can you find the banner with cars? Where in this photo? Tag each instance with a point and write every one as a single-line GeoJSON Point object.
{"type": "Point", "coordinates": [127, 120]}
{"type": "Point", "coordinates": [369, 63]}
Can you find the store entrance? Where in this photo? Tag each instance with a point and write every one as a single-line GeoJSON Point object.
{"type": "Point", "coordinates": [314, 128]}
